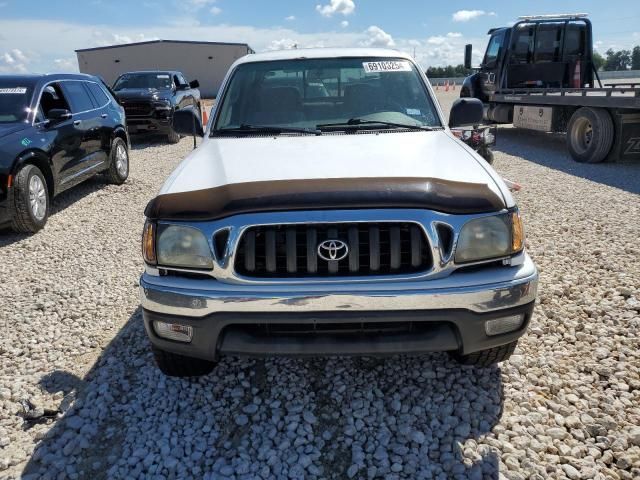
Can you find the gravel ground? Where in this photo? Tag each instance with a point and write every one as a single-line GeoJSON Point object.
{"type": "Point", "coordinates": [80, 396]}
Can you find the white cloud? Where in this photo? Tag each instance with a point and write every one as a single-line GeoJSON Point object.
{"type": "Point", "coordinates": [200, 3]}
{"type": "Point", "coordinates": [454, 34]}
{"type": "Point", "coordinates": [102, 40]}
{"type": "Point", "coordinates": [344, 24]}
{"type": "Point", "coordinates": [466, 15]}
{"type": "Point", "coordinates": [66, 64]}
{"type": "Point", "coordinates": [376, 37]}
{"type": "Point", "coordinates": [344, 7]}
{"type": "Point", "coordinates": [71, 36]}
{"type": "Point", "coordinates": [215, 10]}
{"type": "Point", "coordinates": [14, 61]}
{"type": "Point", "coordinates": [436, 40]}
{"type": "Point", "coordinates": [290, 18]}
{"type": "Point", "coordinates": [282, 44]}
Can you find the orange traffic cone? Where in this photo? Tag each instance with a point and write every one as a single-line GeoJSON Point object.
{"type": "Point", "coordinates": [576, 82]}
{"type": "Point", "coordinates": [205, 118]}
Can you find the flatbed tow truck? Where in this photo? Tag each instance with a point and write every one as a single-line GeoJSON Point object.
{"type": "Point", "coordinates": [539, 74]}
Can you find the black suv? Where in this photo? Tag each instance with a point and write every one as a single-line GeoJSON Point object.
{"type": "Point", "coordinates": [55, 132]}
{"type": "Point", "coordinates": [149, 99]}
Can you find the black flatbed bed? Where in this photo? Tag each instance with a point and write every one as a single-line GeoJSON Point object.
{"type": "Point", "coordinates": [610, 97]}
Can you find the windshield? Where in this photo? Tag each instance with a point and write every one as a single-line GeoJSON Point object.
{"type": "Point", "coordinates": [159, 81]}
{"type": "Point", "coordinates": [327, 93]}
{"type": "Point", "coordinates": [14, 101]}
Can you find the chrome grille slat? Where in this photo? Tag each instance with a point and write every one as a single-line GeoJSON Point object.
{"type": "Point", "coordinates": [291, 250]}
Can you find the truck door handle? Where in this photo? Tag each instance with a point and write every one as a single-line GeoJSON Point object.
{"type": "Point", "coordinates": [77, 122]}
{"type": "Point", "coordinates": [104, 115]}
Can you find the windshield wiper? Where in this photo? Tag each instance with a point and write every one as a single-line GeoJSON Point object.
{"type": "Point", "coordinates": [355, 122]}
{"type": "Point", "coordinates": [246, 128]}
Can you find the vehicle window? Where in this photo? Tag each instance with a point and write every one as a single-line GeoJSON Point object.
{"type": "Point", "coordinates": [15, 99]}
{"type": "Point", "coordinates": [493, 49]}
{"type": "Point", "coordinates": [52, 97]}
{"type": "Point", "coordinates": [575, 39]}
{"type": "Point", "coordinates": [548, 42]}
{"type": "Point", "coordinates": [97, 92]}
{"type": "Point", "coordinates": [78, 96]}
{"type": "Point", "coordinates": [522, 51]}
{"type": "Point", "coordinates": [309, 92]}
{"type": "Point", "coordinates": [182, 80]}
{"type": "Point", "coordinates": [155, 80]}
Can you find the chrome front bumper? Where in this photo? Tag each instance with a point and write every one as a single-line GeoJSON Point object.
{"type": "Point", "coordinates": [446, 314]}
{"type": "Point", "coordinates": [483, 291]}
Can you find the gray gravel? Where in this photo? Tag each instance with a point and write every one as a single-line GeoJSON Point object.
{"type": "Point", "coordinates": [80, 396]}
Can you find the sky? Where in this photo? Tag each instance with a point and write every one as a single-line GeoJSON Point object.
{"type": "Point", "coordinates": [42, 36]}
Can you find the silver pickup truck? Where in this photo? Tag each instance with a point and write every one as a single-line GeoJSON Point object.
{"type": "Point", "coordinates": [330, 211]}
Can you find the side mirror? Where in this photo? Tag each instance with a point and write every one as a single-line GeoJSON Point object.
{"type": "Point", "coordinates": [467, 56]}
{"type": "Point", "coordinates": [187, 121]}
{"type": "Point", "coordinates": [466, 112]}
{"type": "Point", "coordinates": [58, 114]}
{"type": "Point", "coordinates": [194, 83]}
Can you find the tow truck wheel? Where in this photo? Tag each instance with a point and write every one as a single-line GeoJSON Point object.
{"type": "Point", "coordinates": [590, 135]}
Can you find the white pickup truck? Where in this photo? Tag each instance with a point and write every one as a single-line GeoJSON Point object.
{"type": "Point", "coordinates": [331, 211]}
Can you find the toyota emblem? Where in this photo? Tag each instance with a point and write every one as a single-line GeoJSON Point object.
{"type": "Point", "coordinates": [333, 250]}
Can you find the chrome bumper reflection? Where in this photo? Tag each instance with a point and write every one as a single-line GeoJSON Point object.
{"type": "Point", "coordinates": [483, 291]}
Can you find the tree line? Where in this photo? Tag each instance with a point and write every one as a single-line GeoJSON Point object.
{"type": "Point", "coordinates": [612, 60]}
{"type": "Point", "coordinates": [615, 60]}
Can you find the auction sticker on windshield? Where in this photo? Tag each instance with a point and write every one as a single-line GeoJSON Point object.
{"type": "Point", "coordinates": [387, 66]}
{"type": "Point", "coordinates": [13, 90]}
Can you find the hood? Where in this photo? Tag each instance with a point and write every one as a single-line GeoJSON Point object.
{"type": "Point", "coordinates": [142, 93]}
{"type": "Point", "coordinates": [227, 176]}
{"type": "Point", "coordinates": [9, 128]}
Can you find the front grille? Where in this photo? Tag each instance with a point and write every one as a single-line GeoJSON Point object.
{"type": "Point", "coordinates": [137, 108]}
{"type": "Point", "coordinates": [289, 251]}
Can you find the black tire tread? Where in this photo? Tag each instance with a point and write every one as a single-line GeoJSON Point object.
{"type": "Point", "coordinates": [173, 137]}
{"type": "Point", "coordinates": [602, 123]}
{"type": "Point", "coordinates": [489, 357]}
{"type": "Point", "coordinates": [113, 176]}
{"type": "Point", "coordinates": [21, 219]}
{"type": "Point", "coordinates": [174, 365]}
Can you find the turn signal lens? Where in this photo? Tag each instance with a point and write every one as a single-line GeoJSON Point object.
{"type": "Point", "coordinates": [503, 325]}
{"type": "Point", "coordinates": [149, 243]}
{"type": "Point", "coordinates": [173, 331]}
{"type": "Point", "coordinates": [517, 235]}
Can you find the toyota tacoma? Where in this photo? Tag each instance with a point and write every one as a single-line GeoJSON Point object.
{"type": "Point", "coordinates": [342, 220]}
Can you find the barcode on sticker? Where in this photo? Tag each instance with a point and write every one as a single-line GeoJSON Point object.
{"type": "Point", "coordinates": [386, 66]}
{"type": "Point", "coordinates": [13, 90]}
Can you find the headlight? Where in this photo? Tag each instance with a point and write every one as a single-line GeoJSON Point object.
{"type": "Point", "coordinates": [179, 246]}
{"type": "Point", "coordinates": [490, 237]}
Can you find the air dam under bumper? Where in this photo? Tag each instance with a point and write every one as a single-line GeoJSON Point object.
{"type": "Point", "coordinates": [340, 318]}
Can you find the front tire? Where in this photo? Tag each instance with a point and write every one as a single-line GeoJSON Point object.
{"type": "Point", "coordinates": [590, 135]}
{"type": "Point", "coordinates": [119, 162]}
{"type": "Point", "coordinates": [486, 358]}
{"type": "Point", "coordinates": [30, 200]}
{"type": "Point", "coordinates": [173, 137]}
{"type": "Point", "coordinates": [174, 365]}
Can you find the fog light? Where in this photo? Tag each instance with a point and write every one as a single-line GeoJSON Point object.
{"type": "Point", "coordinates": [173, 331]}
{"type": "Point", "coordinates": [503, 324]}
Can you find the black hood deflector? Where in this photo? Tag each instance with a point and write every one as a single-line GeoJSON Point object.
{"type": "Point", "coordinates": [326, 194]}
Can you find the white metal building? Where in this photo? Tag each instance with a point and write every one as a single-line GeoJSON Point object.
{"type": "Point", "coordinates": [207, 62]}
